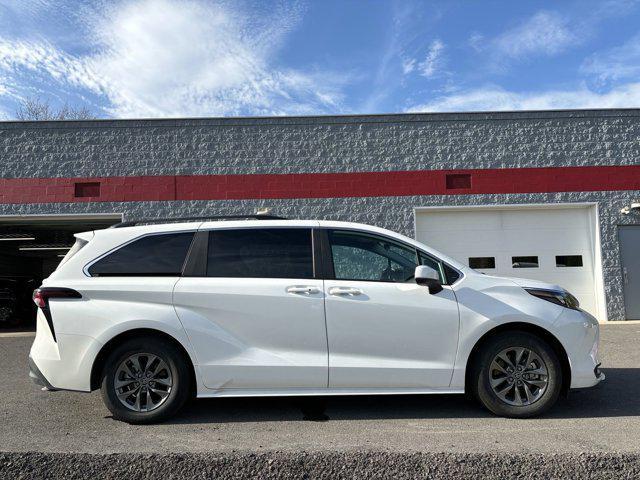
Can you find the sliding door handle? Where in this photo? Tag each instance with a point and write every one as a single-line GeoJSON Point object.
{"type": "Point", "coordinates": [345, 291]}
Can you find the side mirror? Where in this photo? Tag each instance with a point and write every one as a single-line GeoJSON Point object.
{"type": "Point", "coordinates": [429, 278]}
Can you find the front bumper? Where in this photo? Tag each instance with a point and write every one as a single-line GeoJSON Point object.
{"type": "Point", "coordinates": [579, 333]}
{"type": "Point", "coordinates": [599, 374]}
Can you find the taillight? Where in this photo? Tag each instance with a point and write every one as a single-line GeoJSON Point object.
{"type": "Point", "coordinates": [38, 298]}
{"type": "Point", "coordinates": [41, 298]}
{"type": "Point", "coordinates": [42, 295]}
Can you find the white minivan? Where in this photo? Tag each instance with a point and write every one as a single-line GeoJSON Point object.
{"type": "Point", "coordinates": [153, 313]}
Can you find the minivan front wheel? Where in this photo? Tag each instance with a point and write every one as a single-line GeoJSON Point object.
{"type": "Point", "coordinates": [518, 375]}
{"type": "Point", "coordinates": [145, 380]}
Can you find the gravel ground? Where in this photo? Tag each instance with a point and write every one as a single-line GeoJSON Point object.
{"type": "Point", "coordinates": [318, 465]}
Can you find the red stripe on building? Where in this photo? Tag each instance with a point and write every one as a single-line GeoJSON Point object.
{"type": "Point", "coordinates": [319, 185]}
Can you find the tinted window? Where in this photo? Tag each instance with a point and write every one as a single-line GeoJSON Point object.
{"type": "Point", "coordinates": [261, 253]}
{"type": "Point", "coordinates": [451, 274]}
{"type": "Point", "coordinates": [482, 262]}
{"type": "Point", "coordinates": [360, 256]}
{"type": "Point", "coordinates": [159, 255]}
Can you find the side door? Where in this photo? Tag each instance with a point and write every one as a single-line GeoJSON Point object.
{"type": "Point", "coordinates": [254, 309]}
{"type": "Point", "coordinates": [384, 330]}
{"type": "Point", "coordinates": [629, 242]}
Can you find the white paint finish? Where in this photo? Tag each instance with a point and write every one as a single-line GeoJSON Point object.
{"type": "Point", "coordinates": [109, 306]}
{"type": "Point", "coordinates": [486, 302]}
{"type": "Point", "coordinates": [390, 335]}
{"type": "Point", "coordinates": [580, 336]}
{"type": "Point", "coordinates": [504, 233]}
{"type": "Point", "coordinates": [66, 362]}
{"type": "Point", "coordinates": [253, 333]}
{"type": "Point", "coordinates": [251, 337]}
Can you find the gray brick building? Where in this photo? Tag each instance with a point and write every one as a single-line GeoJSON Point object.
{"type": "Point", "coordinates": [527, 194]}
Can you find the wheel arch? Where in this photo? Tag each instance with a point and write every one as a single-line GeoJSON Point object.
{"type": "Point", "coordinates": [536, 330]}
{"type": "Point", "coordinates": [99, 362]}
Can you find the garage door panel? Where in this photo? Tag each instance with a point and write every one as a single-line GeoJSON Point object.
{"type": "Point", "coordinates": [572, 218]}
{"type": "Point", "coordinates": [553, 218]}
{"type": "Point", "coordinates": [462, 221]}
{"type": "Point", "coordinates": [504, 234]}
{"type": "Point", "coordinates": [455, 241]}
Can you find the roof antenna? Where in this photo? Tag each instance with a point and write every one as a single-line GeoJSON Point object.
{"type": "Point", "coordinates": [263, 211]}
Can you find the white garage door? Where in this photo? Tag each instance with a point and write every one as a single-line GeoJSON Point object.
{"type": "Point", "coordinates": [551, 244]}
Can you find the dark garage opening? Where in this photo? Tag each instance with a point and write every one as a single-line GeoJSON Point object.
{"type": "Point", "coordinates": [31, 247]}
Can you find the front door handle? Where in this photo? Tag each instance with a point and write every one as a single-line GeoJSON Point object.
{"type": "Point", "coordinates": [345, 291]}
{"type": "Point", "coordinates": [303, 290]}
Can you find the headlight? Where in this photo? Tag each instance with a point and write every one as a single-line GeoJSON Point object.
{"type": "Point", "coordinates": [559, 297]}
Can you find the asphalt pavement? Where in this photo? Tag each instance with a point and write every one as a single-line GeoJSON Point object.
{"type": "Point", "coordinates": [602, 419]}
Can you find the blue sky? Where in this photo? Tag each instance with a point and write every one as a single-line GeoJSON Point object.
{"type": "Point", "coordinates": [162, 58]}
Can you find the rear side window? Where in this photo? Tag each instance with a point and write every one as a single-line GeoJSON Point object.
{"type": "Point", "coordinates": [155, 255]}
{"type": "Point", "coordinates": [260, 253]}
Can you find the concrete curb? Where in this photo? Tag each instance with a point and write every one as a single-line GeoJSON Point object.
{"type": "Point", "coordinates": [621, 322]}
{"type": "Point", "coordinates": [17, 334]}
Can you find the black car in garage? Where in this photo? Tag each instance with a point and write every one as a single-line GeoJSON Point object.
{"type": "Point", "coordinates": [16, 307]}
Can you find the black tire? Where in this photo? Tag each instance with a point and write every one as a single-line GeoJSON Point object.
{"type": "Point", "coordinates": [482, 374]}
{"type": "Point", "coordinates": [176, 365]}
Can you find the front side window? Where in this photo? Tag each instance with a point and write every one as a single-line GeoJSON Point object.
{"type": "Point", "coordinates": [154, 255]}
{"type": "Point", "coordinates": [260, 253]}
{"type": "Point", "coordinates": [365, 257]}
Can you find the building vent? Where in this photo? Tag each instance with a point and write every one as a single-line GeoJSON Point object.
{"type": "Point", "coordinates": [457, 181]}
{"type": "Point", "coordinates": [87, 189]}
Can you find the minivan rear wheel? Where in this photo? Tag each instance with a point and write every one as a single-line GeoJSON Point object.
{"type": "Point", "coordinates": [145, 380]}
{"type": "Point", "coordinates": [517, 375]}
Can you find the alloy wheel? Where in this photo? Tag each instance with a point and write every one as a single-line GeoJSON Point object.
{"type": "Point", "coordinates": [143, 382]}
{"type": "Point", "coordinates": [518, 376]}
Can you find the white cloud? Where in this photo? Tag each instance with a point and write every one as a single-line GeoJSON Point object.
{"type": "Point", "coordinates": [433, 61]}
{"type": "Point", "coordinates": [432, 64]}
{"type": "Point", "coordinates": [493, 98]}
{"type": "Point", "coordinates": [45, 58]}
{"type": "Point", "coordinates": [618, 63]}
{"type": "Point", "coordinates": [408, 65]}
{"type": "Point", "coordinates": [165, 58]}
{"type": "Point", "coordinates": [546, 33]}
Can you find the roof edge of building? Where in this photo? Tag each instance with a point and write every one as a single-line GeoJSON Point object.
{"type": "Point", "coordinates": [329, 119]}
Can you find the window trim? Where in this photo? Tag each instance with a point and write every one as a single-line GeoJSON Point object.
{"type": "Point", "coordinates": [327, 255]}
{"type": "Point", "coordinates": [315, 255]}
{"type": "Point", "coordinates": [86, 268]}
